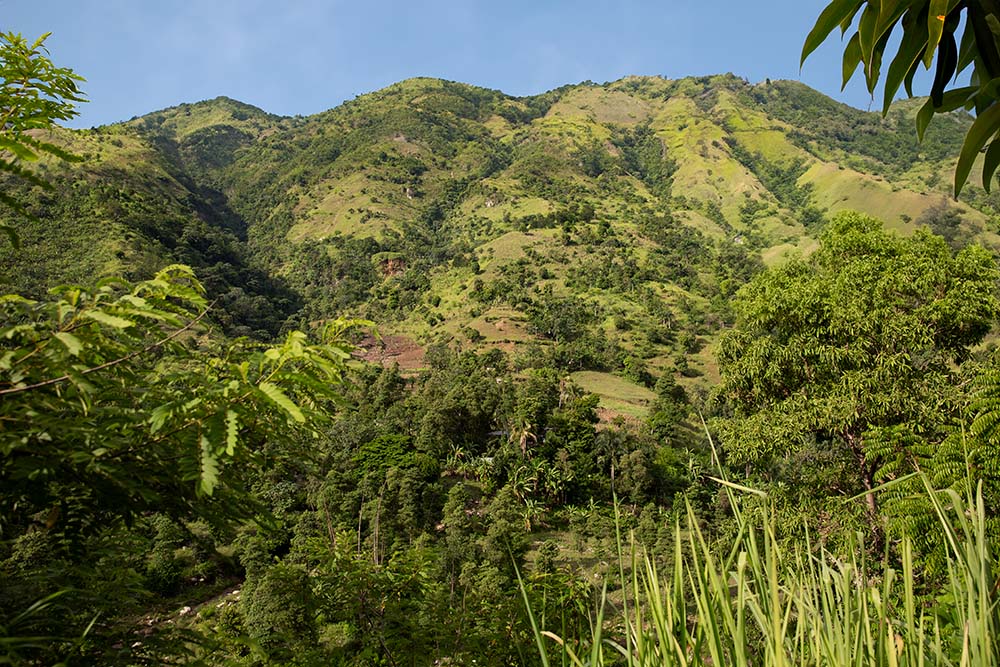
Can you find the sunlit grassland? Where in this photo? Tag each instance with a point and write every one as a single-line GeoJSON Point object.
{"type": "Point", "coordinates": [756, 132]}
{"type": "Point", "coordinates": [616, 393]}
{"type": "Point", "coordinates": [838, 189]}
{"type": "Point", "coordinates": [697, 145]}
{"type": "Point", "coordinates": [777, 254]}
{"type": "Point", "coordinates": [603, 106]}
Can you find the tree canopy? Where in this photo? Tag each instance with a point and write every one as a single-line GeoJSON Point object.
{"type": "Point", "coordinates": [855, 345]}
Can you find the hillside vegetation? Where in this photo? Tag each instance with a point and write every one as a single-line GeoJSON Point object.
{"type": "Point", "coordinates": [600, 222]}
{"type": "Point", "coordinates": [737, 328]}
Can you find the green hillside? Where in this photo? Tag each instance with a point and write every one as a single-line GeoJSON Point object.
{"type": "Point", "coordinates": [638, 367]}
{"type": "Point", "coordinates": [603, 227]}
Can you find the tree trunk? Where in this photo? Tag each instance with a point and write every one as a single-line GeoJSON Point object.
{"type": "Point", "coordinates": [869, 481]}
{"type": "Point", "coordinates": [867, 469]}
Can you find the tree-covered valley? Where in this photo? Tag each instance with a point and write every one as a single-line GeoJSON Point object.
{"type": "Point", "coordinates": [419, 378]}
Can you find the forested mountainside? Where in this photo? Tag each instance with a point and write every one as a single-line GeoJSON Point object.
{"type": "Point", "coordinates": [600, 221]}
{"type": "Point", "coordinates": [736, 328]}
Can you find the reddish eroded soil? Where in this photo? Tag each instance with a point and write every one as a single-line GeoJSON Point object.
{"type": "Point", "coordinates": [392, 350]}
{"type": "Point", "coordinates": [393, 267]}
{"type": "Point", "coordinates": [606, 417]}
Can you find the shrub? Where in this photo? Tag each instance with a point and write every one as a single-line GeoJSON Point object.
{"type": "Point", "coordinates": [278, 610]}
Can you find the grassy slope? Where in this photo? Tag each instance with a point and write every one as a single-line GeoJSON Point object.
{"type": "Point", "coordinates": [430, 162]}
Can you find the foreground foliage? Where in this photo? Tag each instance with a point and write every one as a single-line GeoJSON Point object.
{"type": "Point", "coordinates": [117, 402]}
{"type": "Point", "coordinates": [169, 495]}
{"type": "Point", "coordinates": [761, 602]}
{"type": "Point", "coordinates": [34, 93]}
{"type": "Point", "coordinates": [929, 36]}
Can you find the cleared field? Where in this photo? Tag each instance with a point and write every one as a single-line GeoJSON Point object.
{"type": "Point", "coordinates": [617, 394]}
{"type": "Point", "coordinates": [838, 189]}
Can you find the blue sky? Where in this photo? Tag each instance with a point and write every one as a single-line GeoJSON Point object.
{"type": "Point", "coordinates": [305, 56]}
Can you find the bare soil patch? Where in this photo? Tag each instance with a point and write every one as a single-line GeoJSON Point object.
{"type": "Point", "coordinates": [391, 350]}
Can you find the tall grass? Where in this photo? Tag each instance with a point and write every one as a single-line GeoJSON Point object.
{"type": "Point", "coordinates": [766, 604]}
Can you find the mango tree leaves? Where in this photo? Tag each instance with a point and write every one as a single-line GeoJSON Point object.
{"type": "Point", "coordinates": [929, 37]}
{"type": "Point", "coordinates": [863, 335]}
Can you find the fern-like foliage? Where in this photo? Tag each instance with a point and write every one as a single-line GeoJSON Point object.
{"type": "Point", "coordinates": [34, 95]}
{"type": "Point", "coordinates": [118, 400]}
{"type": "Point", "coordinates": [959, 457]}
{"type": "Point", "coordinates": [985, 429]}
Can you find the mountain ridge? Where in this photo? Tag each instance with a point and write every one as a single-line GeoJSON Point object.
{"type": "Point", "coordinates": [596, 222]}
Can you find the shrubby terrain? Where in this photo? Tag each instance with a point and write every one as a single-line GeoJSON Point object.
{"type": "Point", "coordinates": [560, 305]}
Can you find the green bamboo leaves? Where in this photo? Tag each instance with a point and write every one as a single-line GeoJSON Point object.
{"type": "Point", "coordinates": [769, 603]}
{"type": "Point", "coordinates": [929, 38]}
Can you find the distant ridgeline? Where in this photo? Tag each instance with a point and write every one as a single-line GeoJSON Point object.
{"type": "Point", "coordinates": [609, 223]}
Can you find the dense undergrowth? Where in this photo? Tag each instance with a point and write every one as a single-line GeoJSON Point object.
{"type": "Point", "coordinates": [761, 600]}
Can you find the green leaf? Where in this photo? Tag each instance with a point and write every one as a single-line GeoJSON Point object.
{"type": "Point", "coordinates": [990, 89]}
{"type": "Point", "coordinates": [836, 13]}
{"type": "Point", "coordinates": [739, 487]}
{"type": "Point", "coordinates": [108, 319]}
{"type": "Point", "coordinates": [990, 164]}
{"type": "Point", "coordinates": [935, 28]}
{"type": "Point", "coordinates": [232, 432]}
{"type": "Point", "coordinates": [909, 53]}
{"type": "Point", "coordinates": [956, 98]}
{"type": "Point", "coordinates": [80, 382]}
{"type": "Point", "coordinates": [889, 14]}
{"type": "Point", "coordinates": [983, 128]}
{"type": "Point", "coordinates": [342, 351]}
{"type": "Point", "coordinates": [874, 68]}
{"type": "Point", "coordinates": [71, 342]}
{"type": "Point", "coordinates": [18, 148]}
{"type": "Point", "coordinates": [985, 40]}
{"type": "Point", "coordinates": [967, 49]}
{"type": "Point", "coordinates": [159, 416]}
{"type": "Point", "coordinates": [278, 397]}
{"type": "Point", "coordinates": [852, 58]}
{"type": "Point", "coordinates": [924, 117]}
{"type": "Point", "coordinates": [866, 33]}
{"type": "Point", "coordinates": [947, 61]}
{"type": "Point", "coordinates": [209, 468]}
